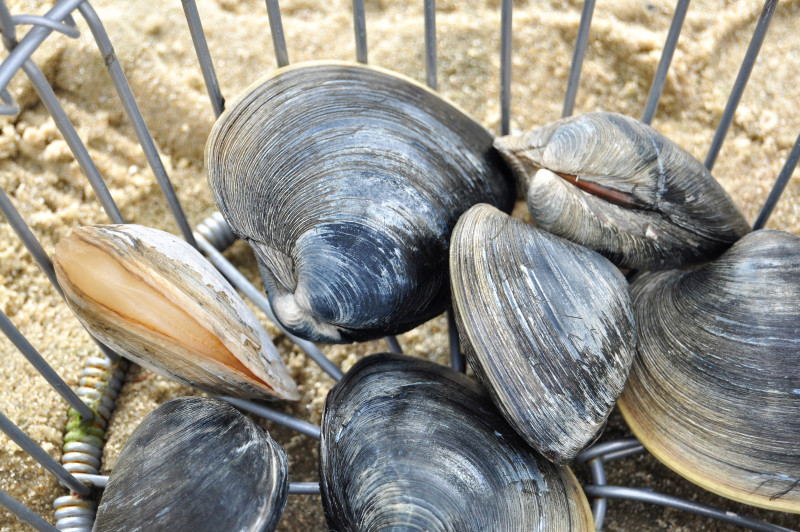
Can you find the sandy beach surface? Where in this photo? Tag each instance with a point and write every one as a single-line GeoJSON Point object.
{"type": "Point", "coordinates": [152, 42]}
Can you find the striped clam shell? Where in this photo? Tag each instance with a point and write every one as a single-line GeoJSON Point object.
{"type": "Point", "coordinates": [546, 324]}
{"type": "Point", "coordinates": [411, 445]}
{"type": "Point", "coordinates": [616, 185]}
{"type": "Point", "coordinates": [346, 180]}
{"type": "Point", "coordinates": [714, 392]}
{"type": "Point", "coordinates": [196, 464]}
{"type": "Point", "coordinates": [156, 300]}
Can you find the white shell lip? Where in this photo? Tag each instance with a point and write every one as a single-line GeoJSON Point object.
{"type": "Point", "coordinates": [183, 276]}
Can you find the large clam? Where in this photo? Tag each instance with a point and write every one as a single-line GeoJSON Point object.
{"type": "Point", "coordinates": [196, 464]}
{"type": "Point", "coordinates": [618, 186]}
{"type": "Point", "coordinates": [411, 445]}
{"type": "Point", "coordinates": [155, 300]}
{"type": "Point", "coordinates": [347, 180]}
{"type": "Point", "coordinates": [714, 392]}
{"type": "Point", "coordinates": [546, 324]}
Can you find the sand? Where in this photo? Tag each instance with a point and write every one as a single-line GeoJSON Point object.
{"type": "Point", "coordinates": [154, 48]}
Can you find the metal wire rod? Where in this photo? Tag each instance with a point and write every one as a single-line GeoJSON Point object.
{"type": "Point", "coordinates": [28, 239]}
{"type": "Point", "coordinates": [40, 455]}
{"type": "Point", "coordinates": [9, 107]}
{"type": "Point", "coordinates": [251, 292]}
{"type": "Point", "coordinates": [601, 449]}
{"type": "Point", "coordinates": [505, 66]}
{"type": "Point", "coordinates": [360, 27]}
{"type": "Point", "coordinates": [577, 58]}
{"type": "Point", "coordinates": [623, 453]}
{"type": "Point", "coordinates": [741, 81]}
{"type": "Point", "coordinates": [303, 427]}
{"type": "Point", "coordinates": [638, 494]}
{"type": "Point", "coordinates": [276, 29]}
{"type": "Point", "coordinates": [97, 481]}
{"type": "Point", "coordinates": [203, 56]}
{"type": "Point", "coordinates": [135, 116]}
{"type": "Point", "coordinates": [76, 145]}
{"type": "Point", "coordinates": [666, 58]}
{"type": "Point", "coordinates": [393, 344]}
{"type": "Point", "coordinates": [430, 44]}
{"type": "Point", "coordinates": [780, 184]}
{"type": "Point", "coordinates": [25, 514]}
{"type": "Point", "coordinates": [67, 28]}
{"type": "Point", "coordinates": [39, 255]}
{"type": "Point", "coordinates": [44, 369]}
{"type": "Point", "coordinates": [457, 360]}
{"type": "Point", "coordinates": [36, 36]}
{"type": "Point", "coordinates": [599, 504]}
{"type": "Point", "coordinates": [304, 488]}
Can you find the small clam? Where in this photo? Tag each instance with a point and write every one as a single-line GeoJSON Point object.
{"type": "Point", "coordinates": [411, 445]}
{"type": "Point", "coordinates": [714, 392]}
{"type": "Point", "coordinates": [546, 324]}
{"type": "Point", "coordinates": [616, 185]}
{"type": "Point", "coordinates": [198, 465]}
{"type": "Point", "coordinates": [155, 300]}
{"type": "Point", "coordinates": [347, 180]}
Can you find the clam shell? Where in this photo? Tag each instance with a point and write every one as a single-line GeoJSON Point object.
{"type": "Point", "coordinates": [616, 185]}
{"type": "Point", "coordinates": [714, 392]}
{"type": "Point", "coordinates": [547, 326]}
{"type": "Point", "coordinates": [411, 445]}
{"type": "Point", "coordinates": [157, 301]}
{"type": "Point", "coordinates": [196, 464]}
{"type": "Point", "coordinates": [347, 180]}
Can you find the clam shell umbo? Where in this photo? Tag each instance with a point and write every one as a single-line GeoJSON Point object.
{"type": "Point", "coordinates": [618, 186]}
{"type": "Point", "coordinates": [546, 324]}
{"type": "Point", "coordinates": [714, 392]}
{"type": "Point", "coordinates": [196, 464]}
{"type": "Point", "coordinates": [154, 299]}
{"type": "Point", "coordinates": [411, 445]}
{"type": "Point", "coordinates": [347, 180]}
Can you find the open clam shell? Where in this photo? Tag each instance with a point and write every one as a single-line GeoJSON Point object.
{"type": "Point", "coordinates": [157, 301]}
{"type": "Point", "coordinates": [412, 445]}
{"type": "Point", "coordinates": [546, 324]}
{"type": "Point", "coordinates": [196, 464]}
{"type": "Point", "coordinates": [616, 185]}
{"type": "Point", "coordinates": [347, 180]}
{"type": "Point", "coordinates": [714, 392]}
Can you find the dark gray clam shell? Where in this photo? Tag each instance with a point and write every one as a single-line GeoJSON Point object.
{"type": "Point", "coordinates": [618, 186]}
{"type": "Point", "coordinates": [546, 324]}
{"type": "Point", "coordinates": [347, 180]}
{"type": "Point", "coordinates": [198, 465]}
{"type": "Point", "coordinates": [714, 392]}
{"type": "Point", "coordinates": [411, 445]}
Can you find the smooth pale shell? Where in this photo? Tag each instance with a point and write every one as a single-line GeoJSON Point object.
{"type": "Point", "coordinates": [412, 445]}
{"type": "Point", "coordinates": [715, 389]}
{"type": "Point", "coordinates": [347, 180]}
{"type": "Point", "coordinates": [547, 325]}
{"type": "Point", "coordinates": [198, 465]}
{"type": "Point", "coordinates": [676, 213]}
{"type": "Point", "coordinates": [170, 271]}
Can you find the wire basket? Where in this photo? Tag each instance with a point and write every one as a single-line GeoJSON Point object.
{"type": "Point", "coordinates": [81, 109]}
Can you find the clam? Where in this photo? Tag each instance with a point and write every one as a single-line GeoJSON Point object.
{"type": "Point", "coordinates": [616, 185]}
{"type": "Point", "coordinates": [547, 326]}
{"type": "Point", "coordinates": [346, 180]}
{"type": "Point", "coordinates": [155, 300]}
{"type": "Point", "coordinates": [196, 464]}
{"type": "Point", "coordinates": [411, 445]}
{"type": "Point", "coordinates": [714, 392]}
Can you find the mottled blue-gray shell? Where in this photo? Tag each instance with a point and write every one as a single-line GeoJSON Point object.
{"type": "Point", "coordinates": [616, 185]}
{"type": "Point", "coordinates": [196, 464]}
{"type": "Point", "coordinates": [411, 445]}
{"type": "Point", "coordinates": [347, 181]}
{"type": "Point", "coordinates": [546, 324]}
{"type": "Point", "coordinates": [714, 392]}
